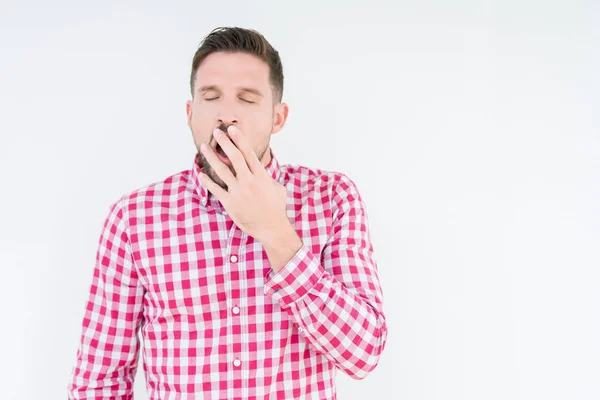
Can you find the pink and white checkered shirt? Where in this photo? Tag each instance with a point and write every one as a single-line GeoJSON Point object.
{"type": "Point", "coordinates": [215, 322]}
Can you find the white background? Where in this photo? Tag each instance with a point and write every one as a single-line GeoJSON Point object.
{"type": "Point", "coordinates": [471, 129]}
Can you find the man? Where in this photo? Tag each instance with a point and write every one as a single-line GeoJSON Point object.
{"type": "Point", "coordinates": [246, 278]}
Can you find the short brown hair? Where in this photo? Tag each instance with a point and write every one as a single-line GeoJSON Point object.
{"type": "Point", "coordinates": [235, 39]}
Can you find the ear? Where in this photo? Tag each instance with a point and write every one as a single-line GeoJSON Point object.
{"type": "Point", "coordinates": [188, 111]}
{"type": "Point", "coordinates": [280, 117]}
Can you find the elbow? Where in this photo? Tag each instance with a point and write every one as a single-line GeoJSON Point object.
{"type": "Point", "coordinates": [360, 369]}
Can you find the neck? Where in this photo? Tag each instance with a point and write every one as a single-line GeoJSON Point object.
{"type": "Point", "coordinates": [266, 158]}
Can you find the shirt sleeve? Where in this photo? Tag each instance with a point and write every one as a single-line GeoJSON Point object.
{"type": "Point", "coordinates": [336, 302]}
{"type": "Point", "coordinates": [107, 355]}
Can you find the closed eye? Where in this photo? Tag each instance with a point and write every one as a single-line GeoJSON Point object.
{"type": "Point", "coordinates": [244, 100]}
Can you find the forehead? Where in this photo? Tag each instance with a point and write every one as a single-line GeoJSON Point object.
{"type": "Point", "coordinates": [232, 69]}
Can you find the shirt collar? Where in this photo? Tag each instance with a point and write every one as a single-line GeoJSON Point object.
{"type": "Point", "coordinates": [208, 199]}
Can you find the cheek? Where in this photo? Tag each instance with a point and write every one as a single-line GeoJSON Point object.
{"type": "Point", "coordinates": [202, 115]}
{"type": "Point", "coordinates": [201, 122]}
{"type": "Point", "coordinates": [259, 121]}
{"type": "Point", "coordinates": [198, 115]}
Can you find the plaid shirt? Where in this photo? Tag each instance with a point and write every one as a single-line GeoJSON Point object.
{"type": "Point", "coordinates": [215, 321]}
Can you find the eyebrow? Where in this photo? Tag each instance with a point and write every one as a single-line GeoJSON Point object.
{"type": "Point", "coordinates": [244, 89]}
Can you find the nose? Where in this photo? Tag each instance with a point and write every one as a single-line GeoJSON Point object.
{"type": "Point", "coordinates": [227, 112]}
{"type": "Point", "coordinates": [223, 123]}
{"type": "Point", "coordinates": [227, 122]}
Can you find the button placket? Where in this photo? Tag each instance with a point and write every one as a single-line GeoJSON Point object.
{"type": "Point", "coordinates": [237, 285]}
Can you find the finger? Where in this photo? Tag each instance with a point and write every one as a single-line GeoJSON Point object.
{"type": "Point", "coordinates": [215, 189]}
{"type": "Point", "coordinates": [233, 153]}
{"type": "Point", "coordinates": [217, 165]}
{"type": "Point", "coordinates": [244, 146]}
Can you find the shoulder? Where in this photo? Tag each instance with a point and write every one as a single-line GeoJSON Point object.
{"type": "Point", "coordinates": [338, 185]}
{"type": "Point", "coordinates": [155, 194]}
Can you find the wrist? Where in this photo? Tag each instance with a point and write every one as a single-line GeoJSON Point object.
{"type": "Point", "coordinates": [281, 246]}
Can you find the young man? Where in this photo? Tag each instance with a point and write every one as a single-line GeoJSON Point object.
{"type": "Point", "coordinates": [246, 278]}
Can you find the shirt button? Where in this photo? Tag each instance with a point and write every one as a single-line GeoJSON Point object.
{"type": "Point", "coordinates": [237, 362]}
{"type": "Point", "coordinates": [236, 310]}
{"type": "Point", "coordinates": [233, 258]}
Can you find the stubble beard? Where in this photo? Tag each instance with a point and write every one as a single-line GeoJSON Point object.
{"type": "Point", "coordinates": [206, 168]}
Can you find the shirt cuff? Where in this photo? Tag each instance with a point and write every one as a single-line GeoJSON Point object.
{"type": "Point", "coordinates": [295, 279]}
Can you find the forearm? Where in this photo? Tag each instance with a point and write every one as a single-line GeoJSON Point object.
{"type": "Point", "coordinates": [347, 328]}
